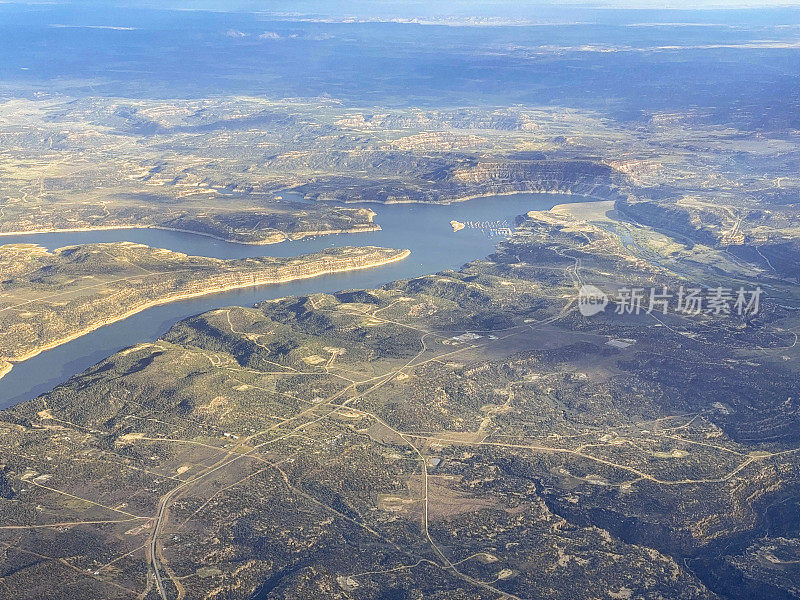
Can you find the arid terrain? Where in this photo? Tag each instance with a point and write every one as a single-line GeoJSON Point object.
{"type": "Point", "coordinates": [471, 429]}
{"type": "Point", "coordinates": [604, 406]}
{"type": "Point", "coordinates": [49, 298]}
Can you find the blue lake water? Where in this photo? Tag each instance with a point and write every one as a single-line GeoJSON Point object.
{"type": "Point", "coordinates": [422, 228]}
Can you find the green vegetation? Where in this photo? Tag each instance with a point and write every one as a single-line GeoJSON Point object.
{"type": "Point", "coordinates": [465, 434]}
{"type": "Point", "coordinates": [49, 298]}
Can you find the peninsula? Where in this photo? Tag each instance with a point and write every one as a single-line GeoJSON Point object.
{"type": "Point", "coordinates": [49, 298]}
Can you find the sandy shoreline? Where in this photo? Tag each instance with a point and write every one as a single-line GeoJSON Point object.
{"type": "Point", "coordinates": [471, 197]}
{"type": "Point", "coordinates": [7, 364]}
{"type": "Point", "coordinates": [578, 209]}
{"type": "Point", "coordinates": [285, 238]}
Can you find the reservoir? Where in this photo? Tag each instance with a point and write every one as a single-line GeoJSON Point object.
{"type": "Point", "coordinates": [424, 229]}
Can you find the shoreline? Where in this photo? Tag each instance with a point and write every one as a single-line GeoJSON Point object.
{"type": "Point", "coordinates": [6, 364]}
{"type": "Point", "coordinates": [370, 227]}
{"type": "Point", "coordinates": [267, 242]}
{"type": "Point", "coordinates": [561, 208]}
{"type": "Point", "coordinates": [471, 197]}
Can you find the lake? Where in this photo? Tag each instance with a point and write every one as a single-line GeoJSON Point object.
{"type": "Point", "coordinates": [422, 228]}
